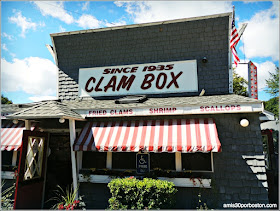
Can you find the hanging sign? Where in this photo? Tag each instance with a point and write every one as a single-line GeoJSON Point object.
{"type": "Point", "coordinates": [152, 78]}
{"type": "Point", "coordinates": [142, 163]}
{"type": "Point", "coordinates": [253, 81]}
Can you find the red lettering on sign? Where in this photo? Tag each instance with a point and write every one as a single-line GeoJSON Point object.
{"type": "Point", "coordinates": [174, 80]}
{"type": "Point", "coordinates": [97, 89]}
{"type": "Point", "coordinates": [87, 84]}
{"type": "Point", "coordinates": [163, 82]}
{"type": "Point", "coordinates": [162, 110]}
{"type": "Point", "coordinates": [111, 84]}
{"type": "Point", "coordinates": [201, 108]}
{"type": "Point", "coordinates": [147, 83]}
{"type": "Point", "coordinates": [97, 113]}
{"type": "Point", "coordinates": [106, 71]}
{"type": "Point", "coordinates": [126, 83]}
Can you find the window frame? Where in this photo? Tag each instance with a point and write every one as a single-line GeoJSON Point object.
{"type": "Point", "coordinates": [178, 162]}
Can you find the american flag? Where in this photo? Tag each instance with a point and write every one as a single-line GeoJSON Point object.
{"type": "Point", "coordinates": [234, 39]}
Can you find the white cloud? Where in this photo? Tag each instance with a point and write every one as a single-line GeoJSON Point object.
{"type": "Point", "coordinates": [5, 35]}
{"type": "Point", "coordinates": [117, 23]}
{"type": "Point", "coordinates": [33, 75]}
{"type": "Point", "coordinates": [13, 55]}
{"type": "Point", "coordinates": [263, 72]}
{"type": "Point", "coordinates": [54, 9]}
{"type": "Point", "coordinates": [4, 47]}
{"type": "Point", "coordinates": [85, 6]}
{"type": "Point", "coordinates": [88, 21]}
{"type": "Point", "coordinates": [151, 11]}
{"type": "Point", "coordinates": [41, 98]}
{"type": "Point", "coordinates": [61, 29]}
{"type": "Point", "coordinates": [23, 22]}
{"type": "Point", "coordinates": [261, 37]}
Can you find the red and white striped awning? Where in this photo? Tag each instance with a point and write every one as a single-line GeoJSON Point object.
{"type": "Point", "coordinates": [175, 135]}
{"type": "Point", "coordinates": [11, 135]}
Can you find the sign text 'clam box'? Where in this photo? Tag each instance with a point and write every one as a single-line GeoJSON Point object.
{"type": "Point", "coordinates": [153, 78]}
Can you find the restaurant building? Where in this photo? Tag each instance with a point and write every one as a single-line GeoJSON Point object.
{"type": "Point", "coordinates": [153, 99]}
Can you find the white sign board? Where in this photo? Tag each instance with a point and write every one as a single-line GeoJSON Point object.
{"type": "Point", "coordinates": [184, 110]}
{"type": "Point", "coordinates": [153, 78]}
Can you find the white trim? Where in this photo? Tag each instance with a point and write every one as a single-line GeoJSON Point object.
{"type": "Point", "coordinates": [178, 182]}
{"type": "Point", "coordinates": [178, 161]}
{"type": "Point", "coordinates": [212, 162]}
{"type": "Point", "coordinates": [7, 175]}
{"type": "Point", "coordinates": [109, 160]}
{"type": "Point", "coordinates": [79, 160]}
{"type": "Point", "coordinates": [56, 64]}
{"type": "Point", "coordinates": [14, 159]}
{"type": "Point", "coordinates": [27, 124]}
{"type": "Point", "coordinates": [140, 25]}
{"type": "Point", "coordinates": [73, 158]}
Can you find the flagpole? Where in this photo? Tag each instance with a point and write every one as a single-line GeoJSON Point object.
{"type": "Point", "coordinates": [230, 59]}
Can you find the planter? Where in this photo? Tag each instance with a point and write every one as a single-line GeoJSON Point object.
{"type": "Point", "coordinates": [178, 182]}
{"type": "Point", "coordinates": [187, 182]}
{"type": "Point", "coordinates": [95, 178]}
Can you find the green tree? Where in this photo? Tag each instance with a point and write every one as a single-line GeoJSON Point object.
{"type": "Point", "coordinates": [272, 105]}
{"type": "Point", "coordinates": [273, 83]}
{"type": "Point", "coordinates": [239, 85]}
{"type": "Point", "coordinates": [5, 100]}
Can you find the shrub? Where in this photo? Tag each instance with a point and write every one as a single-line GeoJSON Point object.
{"type": "Point", "coordinates": [66, 199]}
{"type": "Point", "coordinates": [131, 193]}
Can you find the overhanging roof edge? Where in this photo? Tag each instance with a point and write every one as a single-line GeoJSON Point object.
{"type": "Point", "coordinates": [141, 24]}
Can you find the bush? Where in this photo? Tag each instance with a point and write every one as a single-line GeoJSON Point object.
{"type": "Point", "coordinates": [131, 193]}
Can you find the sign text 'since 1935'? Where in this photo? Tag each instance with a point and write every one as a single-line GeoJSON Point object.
{"type": "Point", "coordinates": [152, 78]}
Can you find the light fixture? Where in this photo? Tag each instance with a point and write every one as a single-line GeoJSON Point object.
{"type": "Point", "coordinates": [61, 120]}
{"type": "Point", "coordinates": [244, 122]}
{"type": "Point", "coordinates": [15, 121]}
{"type": "Point", "coordinates": [204, 59]}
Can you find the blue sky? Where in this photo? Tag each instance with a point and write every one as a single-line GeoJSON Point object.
{"type": "Point", "coordinates": [28, 72]}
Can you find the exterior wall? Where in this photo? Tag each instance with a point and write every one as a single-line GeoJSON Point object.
{"type": "Point", "coordinates": [187, 40]}
{"type": "Point", "coordinates": [239, 170]}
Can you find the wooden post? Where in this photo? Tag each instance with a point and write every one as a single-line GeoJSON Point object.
{"type": "Point", "coordinates": [109, 160]}
{"type": "Point", "coordinates": [73, 158]}
{"type": "Point", "coordinates": [79, 161]}
{"type": "Point", "coordinates": [14, 161]}
{"type": "Point", "coordinates": [27, 124]}
{"type": "Point", "coordinates": [178, 161]}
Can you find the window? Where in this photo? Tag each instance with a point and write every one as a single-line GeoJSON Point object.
{"type": "Point", "coordinates": [34, 158]}
{"type": "Point", "coordinates": [94, 160]}
{"type": "Point", "coordinates": [197, 161]}
{"type": "Point", "coordinates": [7, 157]}
{"type": "Point", "coordinates": [164, 160]}
{"type": "Point", "coordinates": [124, 160]}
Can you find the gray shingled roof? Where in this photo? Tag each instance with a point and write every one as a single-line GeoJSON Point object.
{"type": "Point", "coordinates": [89, 103]}
{"type": "Point", "coordinates": [48, 109]}
{"type": "Point", "coordinates": [12, 108]}
{"type": "Point", "coordinates": [66, 109]}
